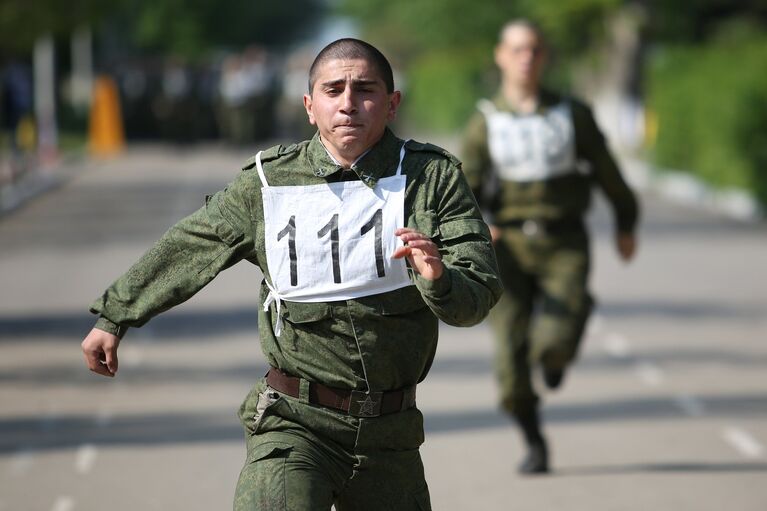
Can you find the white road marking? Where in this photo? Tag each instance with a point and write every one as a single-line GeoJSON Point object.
{"type": "Point", "coordinates": [63, 504]}
{"type": "Point", "coordinates": [86, 457]}
{"type": "Point", "coordinates": [617, 346]}
{"type": "Point", "coordinates": [21, 462]}
{"type": "Point", "coordinates": [690, 405]}
{"type": "Point", "coordinates": [649, 373]}
{"type": "Point", "coordinates": [743, 442]}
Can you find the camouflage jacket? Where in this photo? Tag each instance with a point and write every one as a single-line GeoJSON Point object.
{"type": "Point", "coordinates": [379, 342]}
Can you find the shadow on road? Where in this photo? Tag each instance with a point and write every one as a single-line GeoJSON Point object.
{"type": "Point", "coordinates": [689, 309]}
{"type": "Point", "coordinates": [69, 432]}
{"type": "Point", "coordinates": [172, 326]}
{"type": "Point", "coordinates": [138, 375]}
{"type": "Point", "coordinates": [660, 408]}
{"type": "Point", "coordinates": [680, 467]}
{"type": "Point", "coordinates": [219, 425]}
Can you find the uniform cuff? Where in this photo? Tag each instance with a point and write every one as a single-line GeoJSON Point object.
{"type": "Point", "coordinates": [435, 288]}
{"type": "Point", "coordinates": [110, 327]}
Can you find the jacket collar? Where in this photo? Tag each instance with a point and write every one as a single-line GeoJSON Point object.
{"type": "Point", "coordinates": [546, 99]}
{"type": "Point", "coordinates": [381, 159]}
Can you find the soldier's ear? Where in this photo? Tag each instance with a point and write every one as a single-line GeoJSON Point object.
{"type": "Point", "coordinates": [308, 107]}
{"type": "Point", "coordinates": [394, 100]}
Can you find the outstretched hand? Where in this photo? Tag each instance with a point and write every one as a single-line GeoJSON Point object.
{"type": "Point", "coordinates": [421, 252]}
{"type": "Point", "coordinates": [100, 350]}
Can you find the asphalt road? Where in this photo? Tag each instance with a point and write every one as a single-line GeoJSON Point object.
{"type": "Point", "coordinates": [666, 409]}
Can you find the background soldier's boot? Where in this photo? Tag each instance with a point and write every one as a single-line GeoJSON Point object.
{"type": "Point", "coordinates": [537, 459]}
{"type": "Point", "coordinates": [553, 377]}
{"type": "Point", "coordinates": [553, 365]}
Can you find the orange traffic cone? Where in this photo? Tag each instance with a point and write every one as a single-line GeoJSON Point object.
{"type": "Point", "coordinates": [106, 136]}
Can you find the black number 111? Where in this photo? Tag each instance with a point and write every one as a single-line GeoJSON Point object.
{"type": "Point", "coordinates": [375, 224]}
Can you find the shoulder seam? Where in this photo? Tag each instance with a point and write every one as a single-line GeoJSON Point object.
{"type": "Point", "coordinates": [432, 148]}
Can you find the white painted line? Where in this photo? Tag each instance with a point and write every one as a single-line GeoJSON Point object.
{"type": "Point", "coordinates": [743, 442]}
{"type": "Point", "coordinates": [649, 373]}
{"type": "Point", "coordinates": [690, 405]}
{"type": "Point", "coordinates": [86, 457]}
{"type": "Point", "coordinates": [617, 346]}
{"type": "Point", "coordinates": [21, 462]}
{"type": "Point", "coordinates": [63, 504]}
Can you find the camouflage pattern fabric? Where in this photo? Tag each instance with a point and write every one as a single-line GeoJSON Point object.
{"type": "Point", "coordinates": [374, 343]}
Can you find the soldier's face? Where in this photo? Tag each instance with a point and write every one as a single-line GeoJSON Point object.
{"type": "Point", "coordinates": [521, 56]}
{"type": "Point", "coordinates": [350, 106]}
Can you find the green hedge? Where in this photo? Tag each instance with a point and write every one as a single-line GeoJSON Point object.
{"type": "Point", "coordinates": [443, 86]}
{"type": "Point", "coordinates": [711, 107]}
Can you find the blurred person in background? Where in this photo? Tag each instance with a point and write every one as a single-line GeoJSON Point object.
{"type": "Point", "coordinates": [247, 93]}
{"type": "Point", "coordinates": [16, 114]}
{"type": "Point", "coordinates": [233, 91]}
{"type": "Point", "coordinates": [365, 241]}
{"type": "Point", "coordinates": [531, 157]}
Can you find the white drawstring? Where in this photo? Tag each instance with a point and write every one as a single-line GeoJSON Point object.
{"type": "Point", "coordinates": [273, 297]}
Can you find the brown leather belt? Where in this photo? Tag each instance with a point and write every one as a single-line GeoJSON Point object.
{"type": "Point", "coordinates": [353, 402]}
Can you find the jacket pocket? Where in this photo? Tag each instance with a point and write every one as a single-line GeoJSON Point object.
{"type": "Point", "coordinates": [299, 313]}
{"type": "Point", "coordinates": [268, 450]}
{"type": "Point", "coordinates": [220, 224]}
{"type": "Point", "coordinates": [400, 301]}
{"type": "Point", "coordinates": [262, 482]}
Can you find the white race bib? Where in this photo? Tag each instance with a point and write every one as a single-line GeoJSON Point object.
{"type": "Point", "coordinates": [333, 241]}
{"type": "Point", "coordinates": [531, 147]}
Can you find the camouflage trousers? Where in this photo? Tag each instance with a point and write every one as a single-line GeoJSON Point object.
{"type": "Point", "coordinates": [302, 457]}
{"type": "Point", "coordinates": [541, 317]}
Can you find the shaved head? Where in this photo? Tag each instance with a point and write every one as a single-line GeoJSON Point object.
{"type": "Point", "coordinates": [522, 23]}
{"type": "Point", "coordinates": [352, 49]}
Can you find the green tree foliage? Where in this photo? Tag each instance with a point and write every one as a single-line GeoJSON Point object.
{"type": "Point", "coordinates": [23, 21]}
{"type": "Point", "coordinates": [696, 21]}
{"type": "Point", "coordinates": [445, 46]}
{"type": "Point", "coordinates": [188, 28]}
{"type": "Point", "coordinates": [711, 105]}
{"type": "Point", "coordinates": [182, 27]}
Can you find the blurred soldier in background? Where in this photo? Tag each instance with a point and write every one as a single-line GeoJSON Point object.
{"type": "Point", "coordinates": [248, 95]}
{"type": "Point", "coordinates": [16, 115]}
{"type": "Point", "coordinates": [531, 157]}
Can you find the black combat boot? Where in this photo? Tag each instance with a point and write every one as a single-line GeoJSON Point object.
{"type": "Point", "coordinates": [553, 377]}
{"type": "Point", "coordinates": [553, 365]}
{"type": "Point", "coordinates": [537, 459]}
